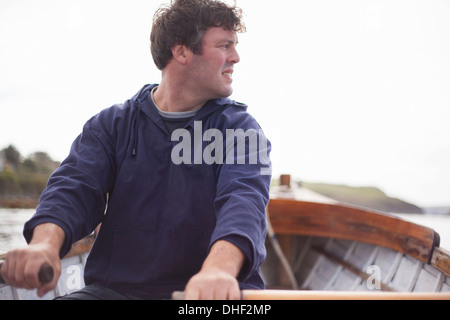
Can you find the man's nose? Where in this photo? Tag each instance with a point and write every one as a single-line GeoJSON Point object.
{"type": "Point", "coordinates": [234, 57]}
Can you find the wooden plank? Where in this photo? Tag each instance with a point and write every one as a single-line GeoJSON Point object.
{"type": "Point", "coordinates": [445, 285]}
{"type": "Point", "coordinates": [284, 279]}
{"type": "Point", "coordinates": [429, 280]}
{"type": "Point", "coordinates": [82, 246]}
{"type": "Point", "coordinates": [406, 274]}
{"type": "Point", "coordinates": [441, 260]}
{"type": "Point", "coordinates": [6, 292]}
{"type": "Point", "coordinates": [353, 269]}
{"type": "Point", "coordinates": [289, 216]}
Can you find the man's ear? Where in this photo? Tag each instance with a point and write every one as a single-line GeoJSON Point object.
{"type": "Point", "coordinates": [181, 53]}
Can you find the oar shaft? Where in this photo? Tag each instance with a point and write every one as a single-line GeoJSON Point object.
{"type": "Point", "coordinates": [331, 295]}
{"type": "Point", "coordinates": [340, 295]}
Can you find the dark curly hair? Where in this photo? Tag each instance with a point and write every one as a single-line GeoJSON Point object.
{"type": "Point", "coordinates": [185, 21]}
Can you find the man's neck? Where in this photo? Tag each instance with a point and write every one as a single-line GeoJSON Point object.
{"type": "Point", "coordinates": [172, 97]}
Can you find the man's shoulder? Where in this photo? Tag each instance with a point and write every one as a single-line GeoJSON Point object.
{"type": "Point", "coordinates": [231, 109]}
{"type": "Point", "coordinates": [233, 114]}
{"type": "Point", "coordinates": [111, 114]}
{"type": "Point", "coordinates": [228, 103]}
{"type": "Point", "coordinates": [126, 107]}
{"type": "Point", "coordinates": [124, 110]}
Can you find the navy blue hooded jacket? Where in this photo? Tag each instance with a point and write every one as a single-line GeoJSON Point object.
{"type": "Point", "coordinates": [161, 217]}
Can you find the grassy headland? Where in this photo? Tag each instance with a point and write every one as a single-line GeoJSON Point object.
{"type": "Point", "coordinates": [369, 197]}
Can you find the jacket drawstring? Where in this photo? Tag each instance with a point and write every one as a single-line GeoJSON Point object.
{"type": "Point", "coordinates": [137, 103]}
{"type": "Point", "coordinates": [136, 127]}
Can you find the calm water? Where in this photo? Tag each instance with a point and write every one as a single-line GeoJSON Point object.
{"type": "Point", "coordinates": [11, 227]}
{"type": "Point", "coordinates": [12, 221]}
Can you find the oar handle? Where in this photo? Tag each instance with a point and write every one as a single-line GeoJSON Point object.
{"type": "Point", "coordinates": [181, 295]}
{"type": "Point", "coordinates": [178, 295]}
{"type": "Point", "coordinates": [45, 274]}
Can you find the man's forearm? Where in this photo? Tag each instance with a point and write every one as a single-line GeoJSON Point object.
{"type": "Point", "coordinates": [50, 234]}
{"type": "Point", "coordinates": [217, 277]}
{"type": "Point", "coordinates": [226, 257]}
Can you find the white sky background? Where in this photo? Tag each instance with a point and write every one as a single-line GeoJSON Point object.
{"type": "Point", "coordinates": [352, 92]}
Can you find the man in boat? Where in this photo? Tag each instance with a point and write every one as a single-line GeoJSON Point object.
{"type": "Point", "coordinates": [184, 210]}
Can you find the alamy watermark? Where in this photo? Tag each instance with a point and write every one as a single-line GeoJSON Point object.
{"type": "Point", "coordinates": [373, 282]}
{"type": "Point", "coordinates": [74, 279]}
{"type": "Point", "coordinates": [190, 149]}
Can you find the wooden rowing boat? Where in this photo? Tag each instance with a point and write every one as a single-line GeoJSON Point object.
{"type": "Point", "coordinates": [321, 249]}
{"type": "Point", "coordinates": [325, 245]}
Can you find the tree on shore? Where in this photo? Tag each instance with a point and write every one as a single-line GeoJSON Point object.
{"type": "Point", "coordinates": [24, 177]}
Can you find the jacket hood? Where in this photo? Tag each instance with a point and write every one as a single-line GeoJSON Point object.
{"type": "Point", "coordinates": [141, 102]}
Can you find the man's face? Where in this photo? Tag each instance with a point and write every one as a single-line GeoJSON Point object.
{"type": "Point", "coordinates": [212, 71]}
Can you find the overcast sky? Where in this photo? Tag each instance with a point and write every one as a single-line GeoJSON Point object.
{"type": "Point", "coordinates": [352, 92]}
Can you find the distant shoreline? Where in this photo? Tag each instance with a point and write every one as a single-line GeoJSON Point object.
{"type": "Point", "coordinates": [18, 202]}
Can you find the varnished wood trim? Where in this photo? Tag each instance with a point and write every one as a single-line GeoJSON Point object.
{"type": "Point", "coordinates": [441, 260]}
{"type": "Point", "coordinates": [82, 246]}
{"type": "Point", "coordinates": [344, 222]}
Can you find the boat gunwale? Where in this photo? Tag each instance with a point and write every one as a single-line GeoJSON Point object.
{"type": "Point", "coordinates": [339, 221]}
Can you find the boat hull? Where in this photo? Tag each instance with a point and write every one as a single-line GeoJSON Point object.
{"type": "Point", "coordinates": [328, 264]}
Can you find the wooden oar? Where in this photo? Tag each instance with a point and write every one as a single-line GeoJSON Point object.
{"type": "Point", "coordinates": [45, 274]}
{"type": "Point", "coordinates": [331, 295]}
